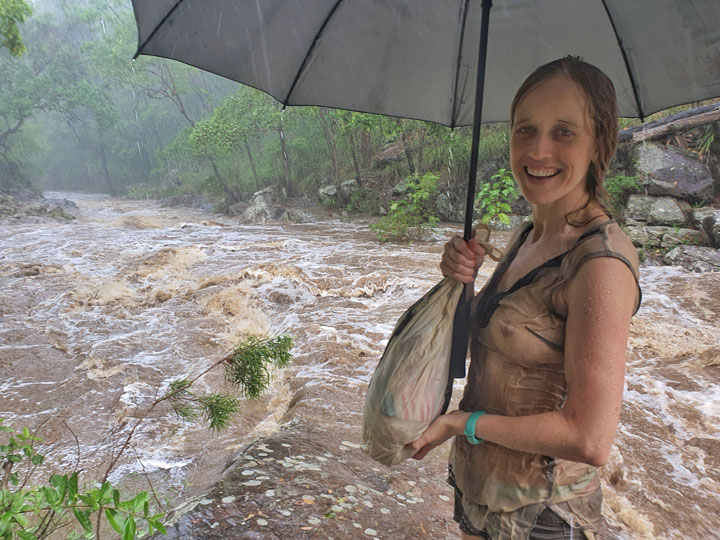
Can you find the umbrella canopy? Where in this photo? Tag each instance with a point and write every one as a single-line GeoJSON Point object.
{"type": "Point", "coordinates": [429, 59]}
{"type": "Point", "coordinates": [418, 59]}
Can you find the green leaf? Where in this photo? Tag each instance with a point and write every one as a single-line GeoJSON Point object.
{"type": "Point", "coordinates": [73, 487]}
{"type": "Point", "coordinates": [116, 498]}
{"type": "Point", "coordinates": [105, 493]}
{"type": "Point", "coordinates": [26, 535]}
{"type": "Point", "coordinates": [114, 519]}
{"type": "Point", "coordinates": [159, 526]}
{"type": "Point", "coordinates": [83, 518]}
{"type": "Point", "coordinates": [139, 502]}
{"type": "Point", "coordinates": [129, 529]}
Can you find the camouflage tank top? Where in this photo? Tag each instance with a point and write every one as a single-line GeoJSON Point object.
{"type": "Point", "coordinates": [516, 369]}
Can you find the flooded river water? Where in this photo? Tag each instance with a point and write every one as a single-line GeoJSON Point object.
{"type": "Point", "coordinates": [99, 314]}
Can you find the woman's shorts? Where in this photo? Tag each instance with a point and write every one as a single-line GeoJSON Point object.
{"type": "Point", "coordinates": [549, 526]}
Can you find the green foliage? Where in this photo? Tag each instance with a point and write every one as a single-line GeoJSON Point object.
{"type": "Point", "coordinates": [35, 512]}
{"type": "Point", "coordinates": [364, 201]}
{"type": "Point", "coordinates": [12, 13]}
{"type": "Point", "coordinates": [251, 364]}
{"type": "Point", "coordinates": [619, 188]}
{"type": "Point", "coordinates": [494, 197]}
{"type": "Point", "coordinates": [410, 218]}
{"type": "Point", "coordinates": [249, 367]}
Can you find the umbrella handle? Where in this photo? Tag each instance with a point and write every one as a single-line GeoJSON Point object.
{"type": "Point", "coordinates": [477, 118]}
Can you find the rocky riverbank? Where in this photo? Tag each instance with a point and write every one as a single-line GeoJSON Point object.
{"type": "Point", "coordinates": [30, 206]}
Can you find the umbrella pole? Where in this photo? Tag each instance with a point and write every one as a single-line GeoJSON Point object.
{"type": "Point", "coordinates": [461, 321]}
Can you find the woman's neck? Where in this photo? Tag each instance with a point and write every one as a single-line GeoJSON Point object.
{"type": "Point", "coordinates": [551, 221]}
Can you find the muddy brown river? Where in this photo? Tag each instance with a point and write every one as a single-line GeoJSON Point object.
{"type": "Point", "coordinates": [99, 314]}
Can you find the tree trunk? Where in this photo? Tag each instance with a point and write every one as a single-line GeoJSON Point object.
{"type": "Point", "coordinates": [686, 119]}
{"type": "Point", "coordinates": [252, 165]}
{"type": "Point", "coordinates": [366, 148]}
{"type": "Point", "coordinates": [408, 155]}
{"type": "Point", "coordinates": [421, 150]}
{"type": "Point", "coordinates": [356, 163]}
{"type": "Point", "coordinates": [231, 197]}
{"type": "Point", "coordinates": [330, 140]}
{"type": "Point", "coordinates": [106, 171]}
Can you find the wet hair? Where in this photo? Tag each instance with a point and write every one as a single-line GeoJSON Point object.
{"type": "Point", "coordinates": [602, 104]}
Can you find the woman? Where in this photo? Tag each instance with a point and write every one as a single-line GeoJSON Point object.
{"type": "Point", "coordinates": [549, 330]}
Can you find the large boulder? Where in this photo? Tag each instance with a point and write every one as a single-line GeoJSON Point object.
{"type": "Point", "coordinates": [238, 208]}
{"type": "Point", "coordinates": [349, 186]}
{"type": "Point", "coordinates": [666, 172]}
{"type": "Point", "coordinates": [666, 211]}
{"type": "Point", "coordinates": [328, 195]}
{"type": "Point", "coordinates": [694, 258]}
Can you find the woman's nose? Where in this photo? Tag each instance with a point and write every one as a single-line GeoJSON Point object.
{"type": "Point", "coordinates": [542, 146]}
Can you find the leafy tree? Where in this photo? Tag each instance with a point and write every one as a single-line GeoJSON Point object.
{"type": "Point", "coordinates": [13, 13]}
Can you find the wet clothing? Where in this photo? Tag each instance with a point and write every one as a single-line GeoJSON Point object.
{"type": "Point", "coordinates": [517, 369]}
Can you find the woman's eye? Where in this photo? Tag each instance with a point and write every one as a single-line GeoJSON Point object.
{"type": "Point", "coordinates": [564, 132]}
{"type": "Point", "coordinates": [524, 129]}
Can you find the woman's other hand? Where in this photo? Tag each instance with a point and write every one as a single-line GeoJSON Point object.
{"type": "Point", "coordinates": [461, 260]}
{"type": "Point", "coordinates": [442, 428]}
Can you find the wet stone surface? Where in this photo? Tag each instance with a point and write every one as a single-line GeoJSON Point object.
{"type": "Point", "coordinates": [304, 483]}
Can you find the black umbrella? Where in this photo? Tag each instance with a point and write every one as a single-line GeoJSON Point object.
{"type": "Point", "coordinates": [426, 59]}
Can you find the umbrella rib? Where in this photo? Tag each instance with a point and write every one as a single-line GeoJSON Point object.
{"type": "Point", "coordinates": [152, 34]}
{"type": "Point", "coordinates": [457, 66]}
{"type": "Point", "coordinates": [309, 52]}
{"type": "Point", "coordinates": [629, 71]}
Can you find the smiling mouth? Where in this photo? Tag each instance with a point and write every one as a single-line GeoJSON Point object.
{"type": "Point", "coordinates": [542, 174]}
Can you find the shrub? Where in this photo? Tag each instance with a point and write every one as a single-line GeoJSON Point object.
{"type": "Point", "coordinates": [410, 218]}
{"type": "Point", "coordinates": [494, 197]}
{"type": "Point", "coordinates": [619, 188]}
{"type": "Point", "coordinates": [364, 201]}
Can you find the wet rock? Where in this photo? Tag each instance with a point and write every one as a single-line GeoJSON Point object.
{"type": "Point", "coordinates": [8, 205]}
{"type": "Point", "coordinates": [521, 206]}
{"type": "Point", "coordinates": [648, 236]}
{"type": "Point", "coordinates": [328, 195]}
{"type": "Point", "coordinates": [238, 208]}
{"type": "Point", "coordinates": [401, 188]}
{"type": "Point", "coordinates": [262, 207]}
{"type": "Point", "coordinates": [681, 236]}
{"type": "Point", "coordinates": [708, 221]}
{"type": "Point", "coordinates": [447, 210]}
{"type": "Point", "coordinates": [29, 204]}
{"type": "Point", "coordinates": [348, 186]}
{"type": "Point", "coordinates": [666, 211]}
{"type": "Point", "coordinates": [694, 258]}
{"type": "Point", "coordinates": [669, 173]}
{"type": "Point", "coordinates": [62, 203]}
{"type": "Point", "coordinates": [638, 208]}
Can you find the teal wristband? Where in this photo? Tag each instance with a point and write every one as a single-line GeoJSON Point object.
{"type": "Point", "coordinates": [470, 427]}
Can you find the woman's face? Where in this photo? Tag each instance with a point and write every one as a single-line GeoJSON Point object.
{"type": "Point", "coordinates": [552, 144]}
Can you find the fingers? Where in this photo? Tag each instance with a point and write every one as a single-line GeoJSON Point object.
{"type": "Point", "coordinates": [461, 259]}
{"type": "Point", "coordinates": [423, 452]}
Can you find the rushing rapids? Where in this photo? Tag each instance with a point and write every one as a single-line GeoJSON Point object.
{"type": "Point", "coordinates": [98, 315]}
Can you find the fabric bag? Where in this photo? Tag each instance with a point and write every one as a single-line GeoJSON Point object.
{"type": "Point", "coordinates": [408, 389]}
